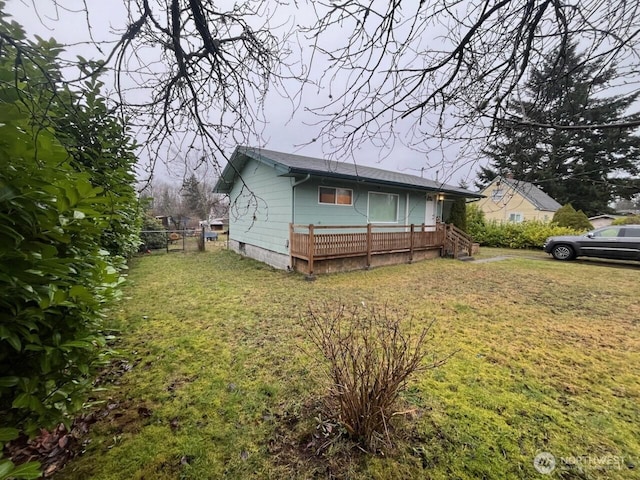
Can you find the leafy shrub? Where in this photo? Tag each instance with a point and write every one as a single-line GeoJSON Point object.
{"type": "Point", "coordinates": [458, 214]}
{"type": "Point", "coordinates": [153, 235]}
{"type": "Point", "coordinates": [629, 220]}
{"type": "Point", "coordinates": [370, 354]}
{"type": "Point", "coordinates": [528, 234]}
{"type": "Point", "coordinates": [8, 470]}
{"type": "Point", "coordinates": [475, 220]}
{"type": "Point", "coordinates": [56, 274]}
{"type": "Point", "coordinates": [56, 279]}
{"type": "Point", "coordinates": [567, 216]}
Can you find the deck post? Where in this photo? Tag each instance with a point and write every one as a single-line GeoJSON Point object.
{"type": "Point", "coordinates": [411, 243]}
{"type": "Point", "coordinates": [311, 249]}
{"type": "Point", "coordinates": [369, 242]}
{"type": "Point", "coordinates": [291, 245]}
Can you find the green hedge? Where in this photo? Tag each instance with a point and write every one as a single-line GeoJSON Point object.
{"type": "Point", "coordinates": [630, 220]}
{"type": "Point", "coordinates": [68, 220]}
{"type": "Point", "coordinates": [530, 234]}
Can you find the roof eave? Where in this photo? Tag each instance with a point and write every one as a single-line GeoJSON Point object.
{"type": "Point", "coordinates": [342, 176]}
{"type": "Point", "coordinates": [235, 164]}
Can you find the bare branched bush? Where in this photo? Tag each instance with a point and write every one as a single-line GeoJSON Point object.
{"type": "Point", "coordinates": [370, 354]}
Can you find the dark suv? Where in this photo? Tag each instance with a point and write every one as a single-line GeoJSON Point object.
{"type": "Point", "coordinates": [620, 242]}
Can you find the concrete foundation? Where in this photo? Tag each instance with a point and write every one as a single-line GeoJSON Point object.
{"type": "Point", "coordinates": [275, 259]}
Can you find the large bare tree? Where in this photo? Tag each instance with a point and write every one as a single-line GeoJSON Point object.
{"type": "Point", "coordinates": [191, 74]}
{"type": "Point", "coordinates": [446, 71]}
{"type": "Point", "coordinates": [432, 73]}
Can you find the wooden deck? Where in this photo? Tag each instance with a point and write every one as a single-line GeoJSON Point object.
{"type": "Point", "coordinates": [317, 243]}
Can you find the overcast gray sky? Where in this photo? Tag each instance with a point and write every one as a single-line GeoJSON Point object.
{"type": "Point", "coordinates": [286, 130]}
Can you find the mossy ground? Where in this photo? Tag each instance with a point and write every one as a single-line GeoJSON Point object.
{"type": "Point", "coordinates": [224, 384]}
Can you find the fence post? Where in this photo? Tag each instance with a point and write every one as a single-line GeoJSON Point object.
{"type": "Point", "coordinates": [311, 251]}
{"type": "Point", "coordinates": [201, 240]}
{"type": "Point", "coordinates": [369, 242]}
{"type": "Point", "coordinates": [411, 243]}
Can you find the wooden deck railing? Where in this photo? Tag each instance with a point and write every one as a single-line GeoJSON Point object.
{"type": "Point", "coordinates": [319, 242]}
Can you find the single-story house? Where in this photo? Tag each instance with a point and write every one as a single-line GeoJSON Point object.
{"type": "Point", "coordinates": [603, 220]}
{"type": "Point", "coordinates": [315, 215]}
{"type": "Point", "coordinates": [509, 200]}
{"type": "Point", "coordinates": [608, 218]}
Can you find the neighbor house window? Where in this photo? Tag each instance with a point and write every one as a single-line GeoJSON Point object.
{"type": "Point", "coordinates": [335, 196]}
{"type": "Point", "coordinates": [497, 194]}
{"type": "Point", "coordinates": [515, 217]}
{"type": "Point", "coordinates": [383, 207]}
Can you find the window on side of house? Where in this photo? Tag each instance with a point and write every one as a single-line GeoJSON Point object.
{"type": "Point", "coordinates": [497, 194]}
{"type": "Point", "coordinates": [515, 217]}
{"type": "Point", "coordinates": [335, 196]}
{"type": "Point", "coordinates": [383, 207]}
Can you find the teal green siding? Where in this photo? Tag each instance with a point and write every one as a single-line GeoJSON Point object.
{"type": "Point", "coordinates": [309, 211]}
{"type": "Point", "coordinates": [260, 212]}
{"type": "Point", "coordinates": [262, 209]}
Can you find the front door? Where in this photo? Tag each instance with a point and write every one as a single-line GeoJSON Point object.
{"type": "Point", "coordinates": [430, 213]}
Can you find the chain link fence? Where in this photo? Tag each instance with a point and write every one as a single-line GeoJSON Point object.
{"type": "Point", "coordinates": [186, 240]}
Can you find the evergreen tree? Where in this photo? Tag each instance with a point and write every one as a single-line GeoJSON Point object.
{"type": "Point", "coordinates": [458, 214]}
{"type": "Point", "coordinates": [567, 216]}
{"type": "Point", "coordinates": [195, 199]}
{"type": "Point", "coordinates": [588, 168]}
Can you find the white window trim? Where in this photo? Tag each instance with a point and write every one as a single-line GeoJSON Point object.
{"type": "Point", "coordinates": [520, 217]}
{"type": "Point", "coordinates": [336, 196]}
{"type": "Point", "coordinates": [397, 207]}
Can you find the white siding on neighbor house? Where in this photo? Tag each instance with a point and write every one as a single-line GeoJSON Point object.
{"type": "Point", "coordinates": [260, 212]}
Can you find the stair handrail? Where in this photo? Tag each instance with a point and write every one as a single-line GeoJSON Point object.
{"type": "Point", "coordinates": [459, 240]}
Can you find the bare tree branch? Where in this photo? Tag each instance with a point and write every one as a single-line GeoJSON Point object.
{"type": "Point", "coordinates": [446, 71]}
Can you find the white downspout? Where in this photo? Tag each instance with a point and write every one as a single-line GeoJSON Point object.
{"type": "Point", "coordinates": [293, 209]}
{"type": "Point", "coordinates": [293, 196]}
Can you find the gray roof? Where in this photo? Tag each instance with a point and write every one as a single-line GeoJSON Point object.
{"type": "Point", "coordinates": [537, 197]}
{"type": "Point", "coordinates": [606, 215]}
{"type": "Point", "coordinates": [292, 165]}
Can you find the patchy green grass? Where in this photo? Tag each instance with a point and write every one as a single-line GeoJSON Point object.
{"type": "Point", "coordinates": [223, 383]}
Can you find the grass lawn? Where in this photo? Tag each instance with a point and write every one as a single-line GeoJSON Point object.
{"type": "Point", "coordinates": [223, 383]}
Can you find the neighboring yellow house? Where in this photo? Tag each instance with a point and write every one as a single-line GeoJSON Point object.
{"type": "Point", "coordinates": [509, 200]}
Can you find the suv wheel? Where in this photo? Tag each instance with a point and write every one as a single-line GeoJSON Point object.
{"type": "Point", "coordinates": [562, 252]}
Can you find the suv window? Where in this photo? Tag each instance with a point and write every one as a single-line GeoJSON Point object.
{"type": "Point", "coordinates": [607, 232]}
{"type": "Point", "coordinates": [632, 232]}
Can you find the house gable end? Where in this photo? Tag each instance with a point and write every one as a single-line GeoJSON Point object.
{"type": "Point", "coordinates": [535, 196]}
